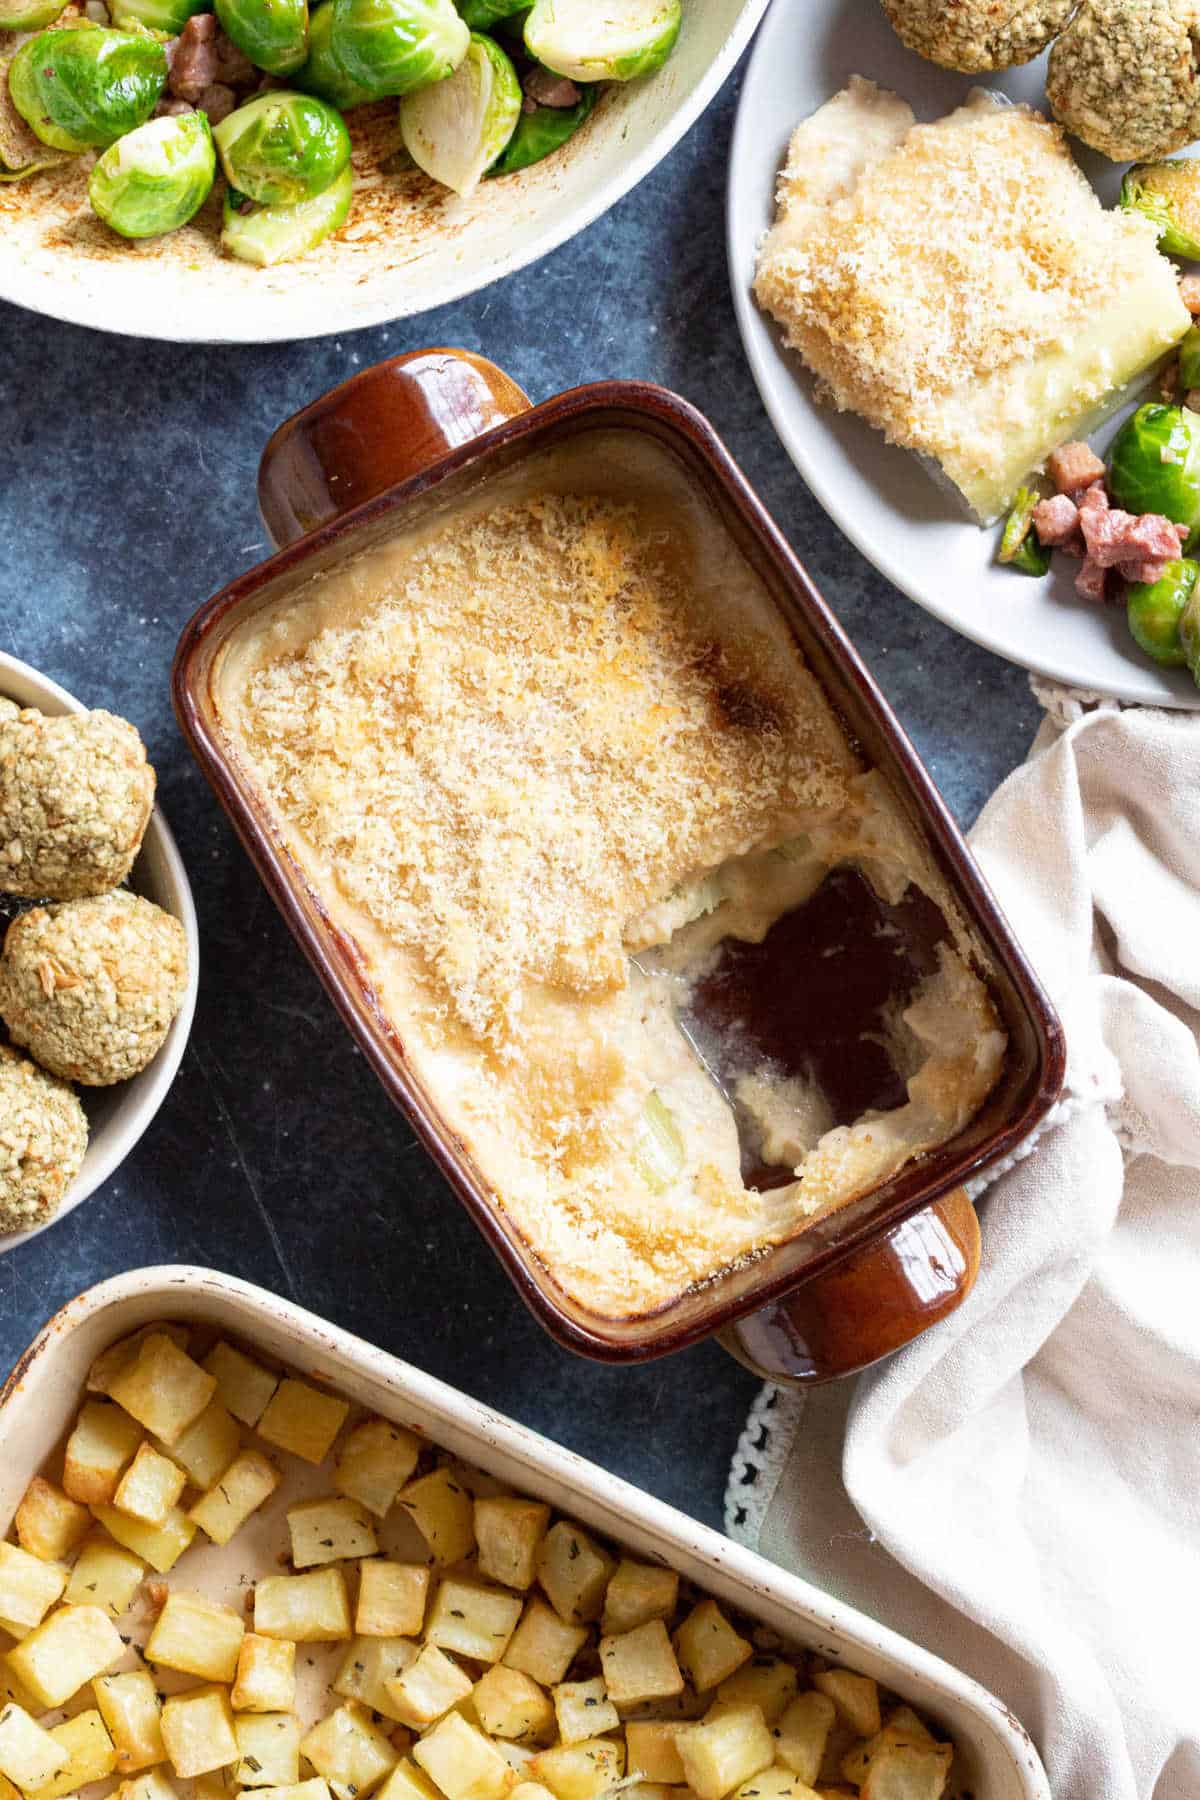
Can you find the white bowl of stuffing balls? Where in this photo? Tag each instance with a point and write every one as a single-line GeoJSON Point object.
{"type": "Point", "coordinates": [98, 950]}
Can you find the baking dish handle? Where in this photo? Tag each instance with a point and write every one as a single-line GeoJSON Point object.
{"type": "Point", "coordinates": [380, 428]}
{"type": "Point", "coordinates": [871, 1303]}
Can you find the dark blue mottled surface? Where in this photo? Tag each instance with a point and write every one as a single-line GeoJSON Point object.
{"type": "Point", "coordinates": [127, 497]}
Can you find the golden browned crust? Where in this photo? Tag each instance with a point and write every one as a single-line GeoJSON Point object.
{"type": "Point", "coordinates": [978, 34]}
{"type": "Point", "coordinates": [43, 1137]}
{"type": "Point", "coordinates": [1125, 78]}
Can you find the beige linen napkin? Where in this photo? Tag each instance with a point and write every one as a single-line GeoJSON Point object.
{"type": "Point", "coordinates": [1019, 1490]}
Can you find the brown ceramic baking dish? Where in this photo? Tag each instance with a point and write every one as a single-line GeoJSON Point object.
{"type": "Point", "coordinates": [411, 434]}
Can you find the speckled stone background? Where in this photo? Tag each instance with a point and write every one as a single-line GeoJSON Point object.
{"type": "Point", "coordinates": [126, 498]}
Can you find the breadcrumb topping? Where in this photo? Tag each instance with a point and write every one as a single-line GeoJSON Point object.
{"type": "Point", "coordinates": [1124, 77]}
{"type": "Point", "coordinates": [978, 34]}
{"type": "Point", "coordinates": [43, 1137]}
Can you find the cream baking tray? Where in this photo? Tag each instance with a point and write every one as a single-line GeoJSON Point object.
{"type": "Point", "coordinates": [997, 1761]}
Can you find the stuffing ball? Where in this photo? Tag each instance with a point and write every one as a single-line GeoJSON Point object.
{"type": "Point", "coordinates": [75, 798]}
{"type": "Point", "coordinates": [43, 1135]}
{"type": "Point", "coordinates": [978, 34]}
{"type": "Point", "coordinates": [90, 987]}
{"type": "Point", "coordinates": [1124, 77]}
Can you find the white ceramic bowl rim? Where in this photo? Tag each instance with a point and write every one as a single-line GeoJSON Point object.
{"type": "Point", "coordinates": [139, 1099]}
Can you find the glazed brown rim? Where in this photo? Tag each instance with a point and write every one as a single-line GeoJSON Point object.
{"type": "Point", "coordinates": [915, 1186]}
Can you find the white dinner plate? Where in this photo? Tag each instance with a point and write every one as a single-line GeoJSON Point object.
{"type": "Point", "coordinates": [878, 494]}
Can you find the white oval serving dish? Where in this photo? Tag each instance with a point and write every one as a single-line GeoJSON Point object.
{"type": "Point", "coordinates": [42, 1395]}
{"type": "Point", "coordinates": [407, 246]}
{"type": "Point", "coordinates": [118, 1116]}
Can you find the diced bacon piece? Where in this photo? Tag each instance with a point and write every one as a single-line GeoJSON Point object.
{"type": "Point", "coordinates": [1189, 293]}
{"type": "Point", "coordinates": [1114, 538]}
{"type": "Point", "coordinates": [1074, 466]}
{"type": "Point", "coordinates": [1093, 499]}
{"type": "Point", "coordinates": [1091, 580]}
{"type": "Point", "coordinates": [1056, 521]}
{"type": "Point", "coordinates": [1148, 572]}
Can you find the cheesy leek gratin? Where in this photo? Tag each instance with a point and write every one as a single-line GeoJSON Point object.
{"type": "Point", "coordinates": [960, 285]}
{"type": "Point", "coordinates": [352, 1614]}
{"type": "Point", "coordinates": [541, 758]}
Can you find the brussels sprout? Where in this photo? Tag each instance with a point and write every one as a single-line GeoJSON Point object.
{"type": "Point", "coordinates": [266, 235]}
{"type": "Point", "coordinates": [456, 130]}
{"type": "Point", "coordinates": [543, 131]}
{"type": "Point", "coordinates": [481, 15]}
{"type": "Point", "coordinates": [28, 15]}
{"type": "Point", "coordinates": [1169, 194]}
{"type": "Point", "coordinates": [282, 148]}
{"type": "Point", "coordinates": [1019, 547]}
{"type": "Point", "coordinates": [82, 90]}
{"type": "Point", "coordinates": [321, 74]}
{"type": "Point", "coordinates": [1154, 611]}
{"type": "Point", "coordinates": [612, 42]}
{"type": "Point", "coordinates": [155, 178]}
{"type": "Point", "coordinates": [397, 46]}
{"type": "Point", "coordinates": [1189, 359]}
{"type": "Point", "coordinates": [1154, 464]}
{"type": "Point", "coordinates": [21, 154]}
{"type": "Point", "coordinates": [272, 33]}
{"type": "Point", "coordinates": [169, 16]}
{"type": "Point", "coordinates": [1189, 635]}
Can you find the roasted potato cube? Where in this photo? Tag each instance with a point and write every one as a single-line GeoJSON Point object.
{"type": "Point", "coordinates": [150, 1487]}
{"type": "Point", "coordinates": [90, 1756]}
{"type": "Point", "coordinates": [651, 1750]}
{"type": "Point", "coordinates": [543, 1646]}
{"type": "Point", "coordinates": [154, 1785]}
{"type": "Point", "coordinates": [15, 1691]}
{"type": "Point", "coordinates": [509, 1532]}
{"type": "Point", "coordinates": [159, 1545]}
{"type": "Point", "coordinates": [269, 1746]}
{"type": "Point", "coordinates": [28, 1587]}
{"type": "Point", "coordinates": [636, 1593]}
{"type": "Point", "coordinates": [462, 1762]}
{"type": "Point", "coordinates": [350, 1753]}
{"type": "Point", "coordinates": [122, 1355]}
{"type": "Point", "coordinates": [247, 1482]}
{"type": "Point", "coordinates": [579, 1771]}
{"type": "Point", "coordinates": [640, 1665]}
{"type": "Point", "coordinates": [573, 1573]}
{"type": "Point", "coordinates": [775, 1783]}
{"type": "Point", "coordinates": [373, 1464]}
{"type": "Point", "coordinates": [802, 1732]}
{"type": "Point", "coordinates": [162, 1388]}
{"type": "Point", "coordinates": [313, 1789]}
{"type": "Point", "coordinates": [49, 1525]}
{"type": "Point", "coordinates": [244, 1389]}
{"type": "Point", "coordinates": [207, 1448]}
{"type": "Point", "coordinates": [430, 1685]}
{"type": "Point", "coordinates": [302, 1420]}
{"type": "Point", "coordinates": [583, 1710]}
{"type": "Point", "coordinates": [29, 1755]}
{"type": "Point", "coordinates": [369, 1664]}
{"type": "Point", "coordinates": [197, 1636]}
{"type": "Point", "coordinates": [131, 1709]}
{"type": "Point", "coordinates": [72, 1646]}
{"type": "Point", "coordinates": [765, 1681]}
{"type": "Point", "coordinates": [197, 1728]}
{"type": "Point", "coordinates": [391, 1598]}
{"type": "Point", "coordinates": [724, 1750]}
{"type": "Point", "coordinates": [218, 1784]}
{"type": "Point", "coordinates": [406, 1782]}
{"type": "Point", "coordinates": [104, 1575]}
{"type": "Point", "coordinates": [103, 1441]}
{"type": "Point", "coordinates": [856, 1698]}
{"type": "Point", "coordinates": [325, 1531]}
{"type": "Point", "coordinates": [309, 1609]}
{"type": "Point", "coordinates": [908, 1772]}
{"type": "Point", "coordinates": [510, 1705]}
{"type": "Point", "coordinates": [902, 1726]}
{"type": "Point", "coordinates": [443, 1512]}
{"type": "Point", "coordinates": [476, 1621]}
{"type": "Point", "coordinates": [708, 1647]}
{"type": "Point", "coordinates": [265, 1680]}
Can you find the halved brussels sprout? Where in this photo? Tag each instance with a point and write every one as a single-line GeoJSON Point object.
{"type": "Point", "coordinates": [266, 235]}
{"type": "Point", "coordinates": [282, 148]}
{"type": "Point", "coordinates": [1155, 609]}
{"type": "Point", "coordinates": [156, 15]}
{"type": "Point", "coordinates": [456, 130]}
{"type": "Point", "coordinates": [28, 15]}
{"type": "Point", "coordinates": [156, 178]}
{"type": "Point", "coordinates": [541, 132]}
{"type": "Point", "coordinates": [21, 154]}
{"type": "Point", "coordinates": [1169, 194]}
{"type": "Point", "coordinates": [83, 89]}
{"type": "Point", "coordinates": [321, 74]}
{"type": "Point", "coordinates": [1020, 547]}
{"type": "Point", "coordinates": [272, 33]}
{"type": "Point", "coordinates": [397, 46]}
{"type": "Point", "coordinates": [1154, 464]}
{"type": "Point", "coordinates": [611, 42]}
{"type": "Point", "coordinates": [481, 15]}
